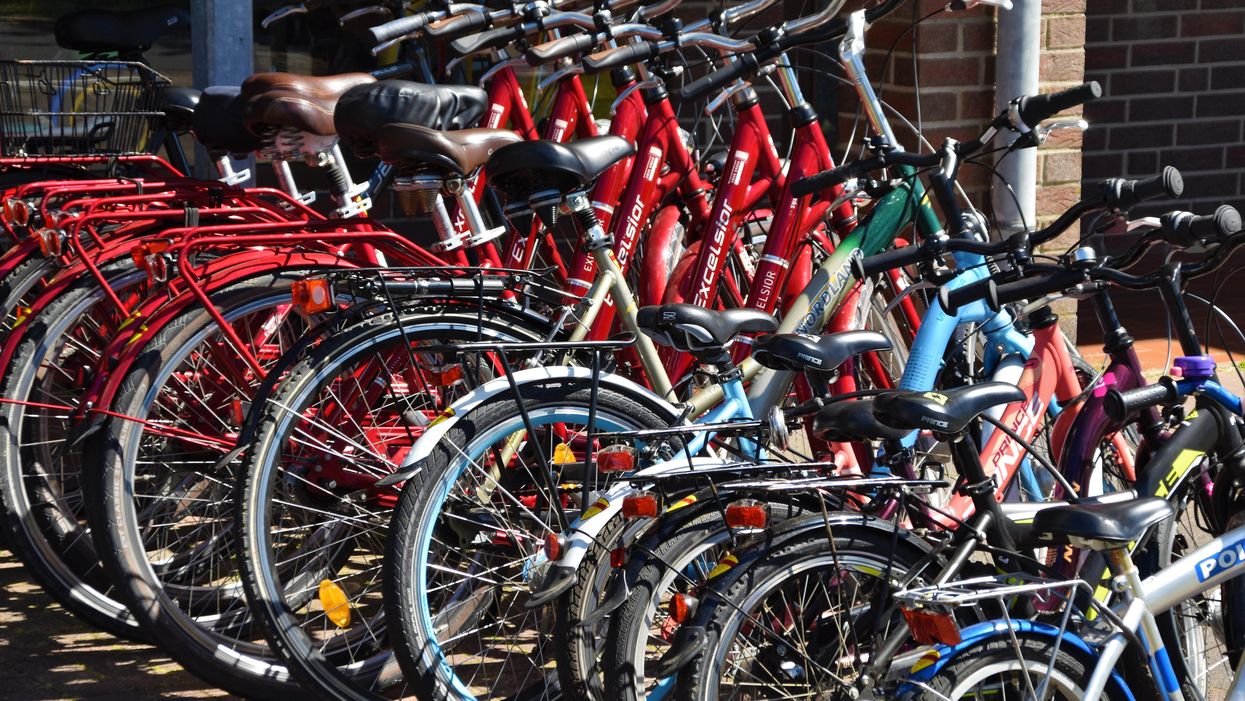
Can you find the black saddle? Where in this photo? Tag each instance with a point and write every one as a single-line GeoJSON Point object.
{"type": "Point", "coordinates": [948, 411]}
{"type": "Point", "coordinates": [696, 330]}
{"type": "Point", "coordinates": [95, 31]}
{"type": "Point", "coordinates": [179, 107]}
{"type": "Point", "coordinates": [797, 351]}
{"type": "Point", "coordinates": [1114, 522]}
{"type": "Point", "coordinates": [533, 166]}
{"type": "Point", "coordinates": [852, 420]}
{"type": "Point", "coordinates": [362, 110]}
{"type": "Point", "coordinates": [219, 123]}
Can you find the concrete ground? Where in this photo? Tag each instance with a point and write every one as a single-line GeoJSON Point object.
{"type": "Point", "coordinates": [46, 654]}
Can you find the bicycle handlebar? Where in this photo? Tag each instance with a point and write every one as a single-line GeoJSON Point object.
{"type": "Point", "coordinates": [1122, 194]}
{"type": "Point", "coordinates": [1118, 406]}
{"type": "Point", "coordinates": [1184, 229]}
{"type": "Point", "coordinates": [1033, 109]}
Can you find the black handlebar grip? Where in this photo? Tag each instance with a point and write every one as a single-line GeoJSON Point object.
{"type": "Point", "coordinates": [887, 260]}
{"type": "Point", "coordinates": [460, 25]}
{"type": "Point", "coordinates": [1035, 287]}
{"type": "Point", "coordinates": [563, 47]}
{"type": "Point", "coordinates": [1035, 108]}
{"type": "Point", "coordinates": [822, 180]}
{"type": "Point", "coordinates": [492, 39]}
{"type": "Point", "coordinates": [743, 65]}
{"type": "Point", "coordinates": [619, 56]}
{"type": "Point", "coordinates": [952, 300]}
{"type": "Point", "coordinates": [398, 27]}
{"type": "Point", "coordinates": [1119, 193]}
{"type": "Point", "coordinates": [1118, 406]}
{"type": "Point", "coordinates": [402, 70]}
{"type": "Point", "coordinates": [1184, 229]}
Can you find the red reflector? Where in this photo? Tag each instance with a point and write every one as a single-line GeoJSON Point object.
{"type": "Point", "coordinates": [929, 627]}
{"type": "Point", "coordinates": [553, 546]}
{"type": "Point", "coordinates": [312, 295]}
{"type": "Point", "coordinates": [640, 506]}
{"type": "Point", "coordinates": [616, 458]}
{"type": "Point", "coordinates": [746, 513]}
{"type": "Point", "coordinates": [618, 557]}
{"type": "Point", "coordinates": [682, 608]}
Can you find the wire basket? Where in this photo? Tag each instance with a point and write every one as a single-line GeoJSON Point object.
{"type": "Point", "coordinates": [78, 108]}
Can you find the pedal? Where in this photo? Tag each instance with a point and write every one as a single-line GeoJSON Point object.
{"type": "Point", "coordinates": [355, 207]}
{"type": "Point", "coordinates": [486, 236]}
{"type": "Point", "coordinates": [236, 177]}
{"type": "Point", "coordinates": [452, 243]}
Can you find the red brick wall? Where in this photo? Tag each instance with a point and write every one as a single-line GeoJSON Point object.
{"type": "Point", "coordinates": [1173, 77]}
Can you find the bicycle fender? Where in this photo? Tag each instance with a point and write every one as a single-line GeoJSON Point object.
{"type": "Point", "coordinates": [939, 656]}
{"type": "Point", "coordinates": [492, 389]}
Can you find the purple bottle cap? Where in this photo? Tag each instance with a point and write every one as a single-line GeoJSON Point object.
{"type": "Point", "coordinates": [1194, 367]}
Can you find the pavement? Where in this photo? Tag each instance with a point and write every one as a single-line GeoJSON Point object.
{"type": "Point", "coordinates": [46, 654]}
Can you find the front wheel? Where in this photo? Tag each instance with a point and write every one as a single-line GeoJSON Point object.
{"type": "Point", "coordinates": [466, 539]}
{"type": "Point", "coordinates": [999, 668]}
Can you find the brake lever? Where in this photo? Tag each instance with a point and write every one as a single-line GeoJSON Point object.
{"type": "Point", "coordinates": [361, 12]}
{"type": "Point", "coordinates": [283, 12]}
{"type": "Point", "coordinates": [716, 103]}
{"type": "Point", "coordinates": [554, 77]}
{"type": "Point", "coordinates": [518, 61]}
{"type": "Point", "coordinates": [1044, 131]}
{"type": "Point", "coordinates": [379, 48]}
{"type": "Point", "coordinates": [641, 85]}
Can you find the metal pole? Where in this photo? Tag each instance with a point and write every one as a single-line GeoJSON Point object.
{"type": "Point", "coordinates": [222, 50]}
{"type": "Point", "coordinates": [1016, 68]}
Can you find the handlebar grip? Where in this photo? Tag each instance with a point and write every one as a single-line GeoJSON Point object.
{"type": "Point", "coordinates": [561, 48]}
{"type": "Point", "coordinates": [823, 180]}
{"type": "Point", "coordinates": [951, 300]}
{"type": "Point", "coordinates": [1184, 229]}
{"type": "Point", "coordinates": [1119, 193]}
{"type": "Point", "coordinates": [460, 25]}
{"type": "Point", "coordinates": [887, 260]}
{"type": "Point", "coordinates": [619, 56]}
{"type": "Point", "coordinates": [398, 27]}
{"type": "Point", "coordinates": [1118, 406]}
{"type": "Point", "coordinates": [745, 64]}
{"type": "Point", "coordinates": [402, 70]}
{"type": "Point", "coordinates": [491, 39]}
{"type": "Point", "coordinates": [1035, 108]}
{"type": "Point", "coordinates": [1034, 287]}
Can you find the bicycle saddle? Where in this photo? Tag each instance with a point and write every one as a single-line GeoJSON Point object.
{"type": "Point", "coordinates": [459, 151]}
{"type": "Point", "coordinates": [852, 420]}
{"type": "Point", "coordinates": [947, 411]}
{"type": "Point", "coordinates": [693, 329]}
{"type": "Point", "coordinates": [1111, 523]}
{"type": "Point", "coordinates": [533, 166]}
{"type": "Point", "coordinates": [797, 351]}
{"type": "Point", "coordinates": [218, 124]}
{"type": "Point", "coordinates": [91, 31]}
{"type": "Point", "coordinates": [178, 106]}
{"type": "Point", "coordinates": [300, 102]}
{"type": "Point", "coordinates": [362, 110]}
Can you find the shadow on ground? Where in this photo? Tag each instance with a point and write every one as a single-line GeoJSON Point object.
{"type": "Point", "coordinates": [46, 654]}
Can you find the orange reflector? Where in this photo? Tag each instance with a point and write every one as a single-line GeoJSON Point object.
{"type": "Point", "coordinates": [616, 458]}
{"type": "Point", "coordinates": [747, 514]}
{"type": "Point", "coordinates": [682, 607]}
{"type": "Point", "coordinates": [49, 242]}
{"type": "Point", "coordinates": [618, 557]}
{"type": "Point", "coordinates": [16, 211]}
{"type": "Point", "coordinates": [640, 506]}
{"type": "Point", "coordinates": [553, 546]}
{"type": "Point", "coordinates": [447, 376]}
{"type": "Point", "coordinates": [335, 603]}
{"type": "Point", "coordinates": [312, 295]}
{"type": "Point", "coordinates": [929, 627]}
{"type": "Point", "coordinates": [562, 454]}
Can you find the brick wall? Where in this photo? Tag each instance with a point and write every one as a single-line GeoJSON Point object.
{"type": "Point", "coordinates": [1173, 77]}
{"type": "Point", "coordinates": [955, 75]}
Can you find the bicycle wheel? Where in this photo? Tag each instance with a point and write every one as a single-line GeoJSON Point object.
{"type": "Point", "coordinates": [43, 499]}
{"type": "Point", "coordinates": [312, 524]}
{"type": "Point", "coordinates": [162, 516]}
{"type": "Point", "coordinates": [1000, 669]}
{"type": "Point", "coordinates": [1203, 633]}
{"type": "Point", "coordinates": [800, 621]}
{"type": "Point", "coordinates": [466, 539]}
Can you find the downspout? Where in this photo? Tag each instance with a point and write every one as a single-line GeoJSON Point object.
{"type": "Point", "coordinates": [1016, 70]}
